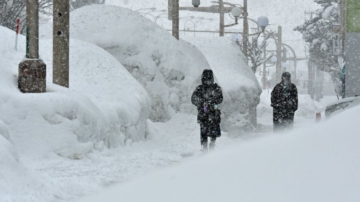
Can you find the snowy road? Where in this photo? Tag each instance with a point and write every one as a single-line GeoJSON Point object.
{"type": "Point", "coordinates": [316, 163]}
{"type": "Point", "coordinates": [167, 144]}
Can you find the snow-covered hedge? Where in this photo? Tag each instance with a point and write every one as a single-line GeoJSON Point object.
{"type": "Point", "coordinates": [104, 105]}
{"type": "Point", "coordinates": [168, 69]}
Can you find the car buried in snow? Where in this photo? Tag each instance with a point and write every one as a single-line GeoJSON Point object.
{"type": "Point", "coordinates": [341, 105]}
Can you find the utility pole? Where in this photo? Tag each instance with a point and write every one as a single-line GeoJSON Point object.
{"type": "Point", "coordinates": [278, 55]}
{"type": "Point", "coordinates": [222, 17]}
{"type": "Point", "coordinates": [175, 18]}
{"type": "Point", "coordinates": [170, 7]}
{"type": "Point", "coordinates": [174, 4]}
{"type": "Point", "coordinates": [61, 14]}
{"type": "Point", "coordinates": [32, 70]}
{"type": "Point", "coordinates": [343, 23]}
{"type": "Point", "coordinates": [264, 79]}
{"type": "Point", "coordinates": [245, 32]}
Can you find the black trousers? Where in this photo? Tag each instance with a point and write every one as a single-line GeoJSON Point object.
{"type": "Point", "coordinates": [209, 130]}
{"type": "Point", "coordinates": [283, 119]}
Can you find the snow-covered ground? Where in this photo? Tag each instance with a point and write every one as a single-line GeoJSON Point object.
{"type": "Point", "coordinates": [63, 144]}
{"type": "Point", "coordinates": [63, 125]}
{"type": "Point", "coordinates": [68, 143]}
{"type": "Point", "coordinates": [317, 163]}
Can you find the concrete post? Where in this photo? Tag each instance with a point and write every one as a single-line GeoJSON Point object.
{"type": "Point", "coordinates": [32, 70]}
{"type": "Point", "coordinates": [222, 18]}
{"type": "Point", "coordinates": [278, 55]}
{"type": "Point", "coordinates": [61, 42]}
{"type": "Point", "coordinates": [245, 32]}
{"type": "Point", "coordinates": [175, 19]}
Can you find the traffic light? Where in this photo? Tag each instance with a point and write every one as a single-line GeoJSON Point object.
{"type": "Point", "coordinates": [196, 3]}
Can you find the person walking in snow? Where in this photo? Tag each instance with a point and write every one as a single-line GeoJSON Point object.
{"type": "Point", "coordinates": [207, 97]}
{"type": "Point", "coordinates": [284, 100]}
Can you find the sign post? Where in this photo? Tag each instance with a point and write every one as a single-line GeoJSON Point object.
{"type": "Point", "coordinates": [17, 32]}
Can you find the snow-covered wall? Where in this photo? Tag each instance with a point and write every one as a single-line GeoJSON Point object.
{"type": "Point", "coordinates": [168, 69]}
{"type": "Point", "coordinates": [104, 105]}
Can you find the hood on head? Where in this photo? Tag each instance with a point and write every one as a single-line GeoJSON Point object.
{"type": "Point", "coordinates": [207, 77]}
{"type": "Point", "coordinates": [286, 77]}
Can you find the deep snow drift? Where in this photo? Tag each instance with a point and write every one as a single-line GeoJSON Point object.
{"type": "Point", "coordinates": [168, 69]}
{"type": "Point", "coordinates": [319, 163]}
{"type": "Point", "coordinates": [94, 108]}
{"type": "Point", "coordinates": [64, 123]}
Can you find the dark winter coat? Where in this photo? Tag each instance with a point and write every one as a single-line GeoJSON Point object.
{"type": "Point", "coordinates": [284, 100]}
{"type": "Point", "coordinates": [285, 97]}
{"type": "Point", "coordinates": [206, 97]}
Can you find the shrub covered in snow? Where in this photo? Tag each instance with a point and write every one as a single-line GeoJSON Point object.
{"type": "Point", "coordinates": [168, 69]}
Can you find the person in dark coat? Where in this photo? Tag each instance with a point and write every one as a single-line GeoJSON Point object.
{"type": "Point", "coordinates": [284, 100]}
{"type": "Point", "coordinates": [207, 97]}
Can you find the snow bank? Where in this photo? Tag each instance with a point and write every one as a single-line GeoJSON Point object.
{"type": "Point", "coordinates": [307, 108]}
{"type": "Point", "coordinates": [168, 69]}
{"type": "Point", "coordinates": [103, 107]}
{"type": "Point", "coordinates": [240, 87]}
{"type": "Point", "coordinates": [15, 180]}
{"type": "Point", "coordinates": [317, 163]}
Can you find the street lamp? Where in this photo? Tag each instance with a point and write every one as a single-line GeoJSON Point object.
{"type": "Point", "coordinates": [263, 22]}
{"type": "Point", "coordinates": [236, 12]}
{"type": "Point", "coordinates": [196, 3]}
{"type": "Point", "coordinates": [236, 38]}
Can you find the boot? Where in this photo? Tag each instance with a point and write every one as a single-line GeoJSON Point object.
{"type": "Point", "coordinates": [204, 146]}
{"type": "Point", "coordinates": [212, 143]}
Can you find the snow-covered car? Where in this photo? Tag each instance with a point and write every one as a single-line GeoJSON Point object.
{"type": "Point", "coordinates": [341, 105]}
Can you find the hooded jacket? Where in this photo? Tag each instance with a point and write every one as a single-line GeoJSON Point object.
{"type": "Point", "coordinates": [206, 97]}
{"type": "Point", "coordinates": [285, 95]}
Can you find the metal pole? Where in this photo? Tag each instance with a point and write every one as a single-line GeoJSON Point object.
{"type": "Point", "coordinates": [61, 14]}
{"type": "Point", "coordinates": [175, 19]}
{"type": "Point", "coordinates": [343, 22]}
{"type": "Point", "coordinates": [222, 17]}
{"type": "Point", "coordinates": [245, 32]}
{"type": "Point", "coordinates": [264, 69]}
{"type": "Point", "coordinates": [278, 55]}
